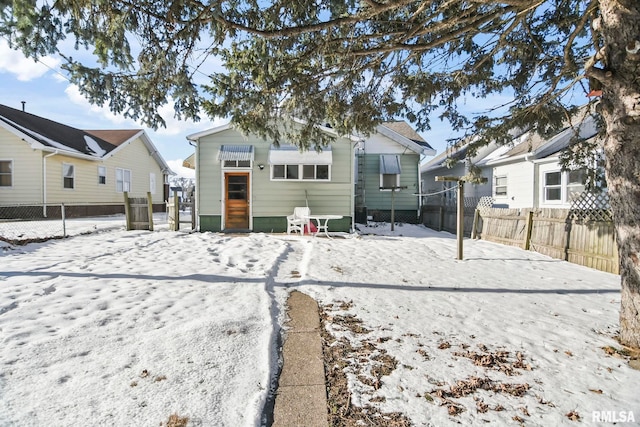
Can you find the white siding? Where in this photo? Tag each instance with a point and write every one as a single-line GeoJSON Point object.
{"type": "Point", "coordinates": [381, 144]}
{"type": "Point", "coordinates": [520, 184]}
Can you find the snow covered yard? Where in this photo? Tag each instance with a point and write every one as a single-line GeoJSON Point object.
{"type": "Point", "coordinates": [128, 328]}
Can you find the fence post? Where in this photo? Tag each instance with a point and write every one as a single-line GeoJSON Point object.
{"type": "Point", "coordinates": [529, 226]}
{"type": "Point", "coordinates": [176, 210]}
{"type": "Point", "coordinates": [440, 217]}
{"type": "Point", "coordinates": [193, 214]}
{"type": "Point", "coordinates": [474, 228]}
{"type": "Point", "coordinates": [64, 224]}
{"type": "Point", "coordinates": [150, 208]}
{"type": "Point", "coordinates": [127, 210]}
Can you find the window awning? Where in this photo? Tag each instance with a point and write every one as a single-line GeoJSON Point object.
{"type": "Point", "coordinates": [390, 164]}
{"type": "Point", "coordinates": [291, 155]}
{"type": "Point", "coordinates": [235, 152]}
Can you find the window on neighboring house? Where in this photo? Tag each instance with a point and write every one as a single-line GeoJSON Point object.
{"type": "Point", "coordinates": [576, 181]}
{"type": "Point", "coordinates": [68, 175]}
{"type": "Point", "coordinates": [301, 172]}
{"type": "Point", "coordinates": [560, 187]}
{"type": "Point", "coordinates": [152, 183]}
{"type": "Point", "coordinates": [102, 175]}
{"type": "Point", "coordinates": [6, 174]}
{"type": "Point", "coordinates": [389, 180]}
{"type": "Point", "coordinates": [500, 185]}
{"type": "Point", "coordinates": [123, 180]}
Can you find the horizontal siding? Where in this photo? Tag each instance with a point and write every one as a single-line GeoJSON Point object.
{"type": "Point", "coordinates": [520, 185]}
{"type": "Point", "coordinates": [134, 157]}
{"type": "Point", "coordinates": [404, 199]}
{"type": "Point", "coordinates": [27, 171]}
{"type": "Point", "coordinates": [273, 198]}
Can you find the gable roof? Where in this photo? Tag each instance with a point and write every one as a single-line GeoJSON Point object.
{"type": "Point", "coordinates": [48, 135]}
{"type": "Point", "coordinates": [402, 133]}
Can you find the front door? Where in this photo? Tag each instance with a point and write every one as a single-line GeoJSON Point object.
{"type": "Point", "coordinates": [236, 185]}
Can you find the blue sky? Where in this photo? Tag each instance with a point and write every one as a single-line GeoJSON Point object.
{"type": "Point", "coordinates": [47, 93]}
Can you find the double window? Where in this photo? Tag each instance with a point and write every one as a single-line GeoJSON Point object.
{"type": "Point", "coordinates": [68, 176]}
{"type": "Point", "coordinates": [561, 187]}
{"type": "Point", "coordinates": [6, 174]}
{"type": "Point", "coordinates": [123, 180]}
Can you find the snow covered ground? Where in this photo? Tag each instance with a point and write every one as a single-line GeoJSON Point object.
{"type": "Point", "coordinates": [129, 328]}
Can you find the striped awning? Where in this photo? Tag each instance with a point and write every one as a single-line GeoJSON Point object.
{"type": "Point", "coordinates": [390, 164]}
{"type": "Point", "coordinates": [235, 152]}
{"type": "Point", "coordinates": [291, 155]}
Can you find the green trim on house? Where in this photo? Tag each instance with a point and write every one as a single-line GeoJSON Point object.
{"type": "Point", "coordinates": [210, 223]}
{"type": "Point", "coordinates": [269, 224]}
{"type": "Point", "coordinates": [279, 224]}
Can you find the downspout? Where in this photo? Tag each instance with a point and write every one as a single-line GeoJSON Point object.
{"type": "Point", "coordinates": [44, 182]}
{"type": "Point", "coordinates": [196, 203]}
{"type": "Point", "coordinates": [353, 186]}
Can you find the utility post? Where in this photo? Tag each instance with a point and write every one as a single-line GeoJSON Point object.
{"type": "Point", "coordinates": [460, 208]}
{"type": "Point", "coordinates": [393, 202]}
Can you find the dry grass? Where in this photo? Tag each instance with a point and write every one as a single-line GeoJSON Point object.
{"type": "Point", "coordinates": [176, 420]}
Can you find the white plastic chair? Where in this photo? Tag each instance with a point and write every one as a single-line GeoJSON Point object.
{"type": "Point", "coordinates": [299, 219]}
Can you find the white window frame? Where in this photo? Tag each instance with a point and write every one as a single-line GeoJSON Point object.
{"type": "Point", "coordinates": [382, 181]}
{"type": "Point", "coordinates": [300, 169]}
{"type": "Point", "coordinates": [121, 181]}
{"type": "Point", "coordinates": [564, 186]}
{"type": "Point", "coordinates": [102, 173]}
{"type": "Point", "coordinates": [152, 183]}
{"type": "Point", "coordinates": [237, 164]}
{"type": "Point", "coordinates": [10, 173]}
{"type": "Point", "coordinates": [65, 176]}
{"type": "Point", "coordinates": [496, 186]}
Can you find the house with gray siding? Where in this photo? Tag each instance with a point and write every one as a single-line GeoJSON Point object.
{"type": "Point", "coordinates": [245, 183]}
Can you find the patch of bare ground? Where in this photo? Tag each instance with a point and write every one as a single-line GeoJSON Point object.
{"type": "Point", "coordinates": [369, 363]}
{"type": "Point", "coordinates": [337, 356]}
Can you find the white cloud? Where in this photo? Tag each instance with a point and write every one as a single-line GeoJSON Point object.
{"type": "Point", "coordinates": [176, 166]}
{"type": "Point", "coordinates": [174, 126]}
{"type": "Point", "coordinates": [25, 69]}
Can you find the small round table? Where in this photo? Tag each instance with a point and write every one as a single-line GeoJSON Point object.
{"type": "Point", "coordinates": [322, 222]}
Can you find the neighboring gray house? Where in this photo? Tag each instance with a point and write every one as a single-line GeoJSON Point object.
{"type": "Point", "coordinates": [456, 156]}
{"type": "Point", "coordinates": [387, 171]}
{"type": "Point", "coordinates": [244, 183]}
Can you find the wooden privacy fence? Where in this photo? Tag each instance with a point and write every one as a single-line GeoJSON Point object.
{"type": "Point", "coordinates": [567, 234]}
{"type": "Point", "coordinates": [139, 212]}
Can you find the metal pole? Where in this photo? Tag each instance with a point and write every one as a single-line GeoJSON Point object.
{"type": "Point", "coordinates": [393, 208]}
{"type": "Point", "coordinates": [460, 227]}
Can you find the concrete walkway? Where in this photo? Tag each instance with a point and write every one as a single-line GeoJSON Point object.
{"type": "Point", "coordinates": [301, 399]}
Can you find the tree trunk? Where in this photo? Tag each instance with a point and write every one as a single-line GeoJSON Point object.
{"type": "Point", "coordinates": [621, 113]}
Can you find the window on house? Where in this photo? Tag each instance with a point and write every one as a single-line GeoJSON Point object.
{"type": "Point", "coordinates": [300, 172]}
{"type": "Point", "coordinates": [237, 163]}
{"type": "Point", "coordinates": [561, 187]}
{"type": "Point", "coordinates": [152, 183]}
{"type": "Point", "coordinates": [6, 175]}
{"type": "Point", "coordinates": [553, 186]}
{"type": "Point", "coordinates": [102, 175]}
{"type": "Point", "coordinates": [390, 171]}
{"type": "Point", "coordinates": [68, 176]}
{"type": "Point", "coordinates": [576, 181]}
{"type": "Point", "coordinates": [500, 185]}
{"type": "Point", "coordinates": [123, 180]}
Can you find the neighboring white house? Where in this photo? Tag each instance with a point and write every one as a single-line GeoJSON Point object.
{"type": "Point", "coordinates": [45, 162]}
{"type": "Point", "coordinates": [529, 174]}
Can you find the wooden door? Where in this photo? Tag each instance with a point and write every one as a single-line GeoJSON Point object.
{"type": "Point", "coordinates": [236, 190]}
